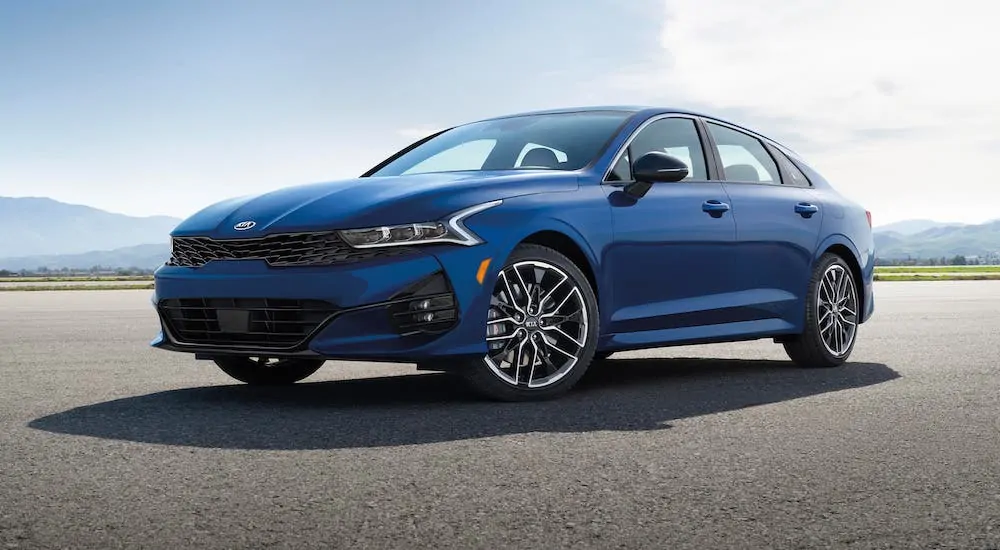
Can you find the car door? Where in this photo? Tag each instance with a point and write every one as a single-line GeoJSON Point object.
{"type": "Point", "coordinates": [778, 218]}
{"type": "Point", "coordinates": [669, 264]}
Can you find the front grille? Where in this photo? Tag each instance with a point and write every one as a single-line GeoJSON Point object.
{"type": "Point", "coordinates": [250, 322]}
{"type": "Point", "coordinates": [282, 250]}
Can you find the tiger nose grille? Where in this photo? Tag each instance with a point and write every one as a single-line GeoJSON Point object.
{"type": "Point", "coordinates": [255, 322]}
{"type": "Point", "coordinates": [290, 249]}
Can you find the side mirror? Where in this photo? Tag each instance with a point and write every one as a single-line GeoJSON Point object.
{"type": "Point", "coordinates": [654, 167]}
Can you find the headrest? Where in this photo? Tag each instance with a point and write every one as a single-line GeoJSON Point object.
{"type": "Point", "coordinates": [540, 157]}
{"type": "Point", "coordinates": [742, 172]}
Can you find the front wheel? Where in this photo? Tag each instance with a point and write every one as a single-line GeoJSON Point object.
{"type": "Point", "coordinates": [261, 371]}
{"type": "Point", "coordinates": [541, 329]}
{"type": "Point", "coordinates": [832, 316]}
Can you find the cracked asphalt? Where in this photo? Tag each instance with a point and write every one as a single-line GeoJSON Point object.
{"type": "Point", "coordinates": [107, 443]}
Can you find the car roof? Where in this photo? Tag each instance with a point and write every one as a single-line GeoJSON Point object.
{"type": "Point", "coordinates": [646, 111]}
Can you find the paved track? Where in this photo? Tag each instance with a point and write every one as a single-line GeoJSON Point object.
{"type": "Point", "coordinates": [106, 443]}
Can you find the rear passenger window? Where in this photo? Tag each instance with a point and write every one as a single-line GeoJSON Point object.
{"type": "Point", "coordinates": [795, 175]}
{"type": "Point", "coordinates": [677, 137]}
{"type": "Point", "coordinates": [744, 158]}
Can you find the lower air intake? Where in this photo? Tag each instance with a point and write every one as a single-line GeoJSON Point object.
{"type": "Point", "coordinates": [265, 323]}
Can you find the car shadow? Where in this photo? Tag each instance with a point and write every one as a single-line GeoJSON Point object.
{"type": "Point", "coordinates": [623, 395]}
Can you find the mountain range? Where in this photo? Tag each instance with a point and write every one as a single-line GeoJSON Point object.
{"type": "Point", "coordinates": [912, 227]}
{"type": "Point", "coordinates": [142, 256]}
{"type": "Point", "coordinates": [41, 232]}
{"type": "Point", "coordinates": [939, 241]}
{"type": "Point", "coordinates": [40, 226]}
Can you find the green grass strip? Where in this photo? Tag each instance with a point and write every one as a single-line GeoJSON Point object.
{"type": "Point", "coordinates": [938, 269]}
{"type": "Point", "coordinates": [937, 277]}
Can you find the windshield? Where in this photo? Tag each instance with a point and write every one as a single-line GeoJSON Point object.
{"type": "Point", "coordinates": [563, 141]}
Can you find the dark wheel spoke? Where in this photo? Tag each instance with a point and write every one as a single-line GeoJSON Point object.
{"type": "Point", "coordinates": [562, 333]}
{"type": "Point", "coordinates": [520, 279]}
{"type": "Point", "coordinates": [555, 347]}
{"type": "Point", "coordinates": [509, 288]}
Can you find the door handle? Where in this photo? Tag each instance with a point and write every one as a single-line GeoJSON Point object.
{"type": "Point", "coordinates": [805, 209]}
{"type": "Point", "coordinates": [715, 208]}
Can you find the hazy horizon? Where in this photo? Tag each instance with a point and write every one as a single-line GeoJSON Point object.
{"type": "Point", "coordinates": [163, 107]}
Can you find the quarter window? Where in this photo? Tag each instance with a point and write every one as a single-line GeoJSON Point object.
{"type": "Point", "coordinates": [677, 137]}
{"type": "Point", "coordinates": [795, 175]}
{"type": "Point", "coordinates": [744, 158]}
{"type": "Point", "coordinates": [622, 171]}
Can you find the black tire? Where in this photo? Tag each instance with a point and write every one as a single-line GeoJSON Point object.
{"type": "Point", "coordinates": [260, 372]}
{"type": "Point", "coordinates": [810, 349]}
{"type": "Point", "coordinates": [481, 376]}
{"type": "Point", "coordinates": [599, 363]}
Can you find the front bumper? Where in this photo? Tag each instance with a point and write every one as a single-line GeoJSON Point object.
{"type": "Point", "coordinates": [370, 307]}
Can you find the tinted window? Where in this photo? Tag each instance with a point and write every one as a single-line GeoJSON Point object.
{"type": "Point", "coordinates": [622, 170]}
{"type": "Point", "coordinates": [675, 136]}
{"type": "Point", "coordinates": [796, 175]}
{"type": "Point", "coordinates": [744, 157]}
{"type": "Point", "coordinates": [564, 141]}
{"type": "Point", "coordinates": [467, 156]}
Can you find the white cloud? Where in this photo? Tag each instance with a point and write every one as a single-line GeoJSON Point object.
{"type": "Point", "coordinates": [897, 103]}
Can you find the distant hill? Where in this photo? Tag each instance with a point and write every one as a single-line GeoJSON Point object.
{"type": "Point", "coordinates": [941, 241]}
{"type": "Point", "coordinates": [144, 256]}
{"type": "Point", "coordinates": [912, 227]}
{"type": "Point", "coordinates": [40, 226]}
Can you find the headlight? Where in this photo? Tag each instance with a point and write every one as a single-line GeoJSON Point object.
{"type": "Point", "coordinates": [452, 230]}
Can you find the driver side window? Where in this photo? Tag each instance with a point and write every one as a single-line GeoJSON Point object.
{"type": "Point", "coordinates": [677, 137]}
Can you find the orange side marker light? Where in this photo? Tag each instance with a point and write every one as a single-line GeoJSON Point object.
{"type": "Point", "coordinates": [483, 266]}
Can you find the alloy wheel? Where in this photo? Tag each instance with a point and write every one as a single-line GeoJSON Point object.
{"type": "Point", "coordinates": [837, 310]}
{"type": "Point", "coordinates": [537, 325]}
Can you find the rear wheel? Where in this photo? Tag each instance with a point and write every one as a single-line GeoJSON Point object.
{"type": "Point", "coordinates": [262, 371]}
{"type": "Point", "coordinates": [541, 329]}
{"type": "Point", "coordinates": [832, 316]}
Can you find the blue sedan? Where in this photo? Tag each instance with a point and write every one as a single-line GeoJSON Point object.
{"type": "Point", "coordinates": [519, 251]}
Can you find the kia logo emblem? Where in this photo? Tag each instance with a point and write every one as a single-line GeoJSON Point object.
{"type": "Point", "coordinates": [243, 226]}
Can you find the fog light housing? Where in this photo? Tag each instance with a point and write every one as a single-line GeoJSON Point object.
{"type": "Point", "coordinates": [428, 307]}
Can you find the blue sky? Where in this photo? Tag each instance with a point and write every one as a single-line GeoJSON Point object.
{"type": "Point", "coordinates": [161, 107]}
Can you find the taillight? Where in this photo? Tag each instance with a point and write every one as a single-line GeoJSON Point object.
{"type": "Point", "coordinates": [869, 215]}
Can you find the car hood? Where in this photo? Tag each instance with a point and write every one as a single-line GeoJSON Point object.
{"type": "Point", "coordinates": [366, 202]}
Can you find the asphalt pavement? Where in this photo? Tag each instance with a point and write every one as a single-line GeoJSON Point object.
{"type": "Point", "coordinates": [107, 443]}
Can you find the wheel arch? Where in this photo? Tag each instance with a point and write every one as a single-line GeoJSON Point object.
{"type": "Point", "coordinates": [840, 246]}
{"type": "Point", "coordinates": [569, 247]}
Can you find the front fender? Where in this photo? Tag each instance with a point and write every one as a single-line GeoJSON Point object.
{"type": "Point", "coordinates": [584, 221]}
